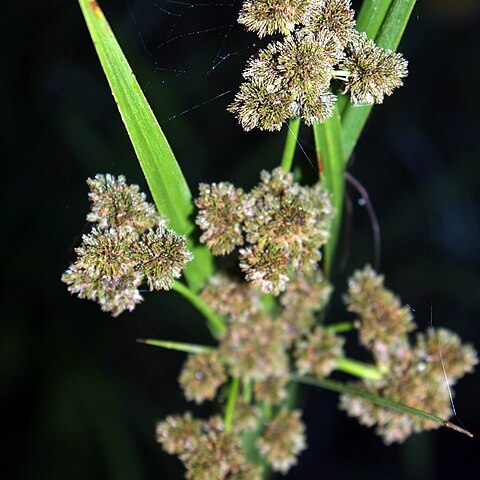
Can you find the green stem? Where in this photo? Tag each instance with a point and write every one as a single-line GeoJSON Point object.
{"type": "Point", "coordinates": [380, 401]}
{"type": "Point", "coordinates": [290, 144]}
{"type": "Point", "coordinates": [340, 327]}
{"type": "Point", "coordinates": [371, 16]}
{"type": "Point", "coordinates": [359, 369]}
{"type": "Point", "coordinates": [215, 323]}
{"type": "Point", "coordinates": [179, 346]}
{"type": "Point", "coordinates": [247, 392]}
{"type": "Point", "coordinates": [232, 400]}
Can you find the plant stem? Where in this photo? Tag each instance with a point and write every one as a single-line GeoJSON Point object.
{"type": "Point", "coordinates": [247, 392]}
{"type": "Point", "coordinates": [290, 144]}
{"type": "Point", "coordinates": [232, 400]}
{"type": "Point", "coordinates": [179, 346]}
{"type": "Point", "coordinates": [340, 327]}
{"type": "Point", "coordinates": [215, 323]}
{"type": "Point", "coordinates": [380, 401]}
{"type": "Point", "coordinates": [359, 369]}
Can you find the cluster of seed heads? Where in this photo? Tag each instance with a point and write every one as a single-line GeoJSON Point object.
{"type": "Point", "coordinates": [298, 76]}
{"type": "Point", "coordinates": [414, 374]}
{"type": "Point", "coordinates": [280, 225]}
{"type": "Point", "coordinates": [128, 245]}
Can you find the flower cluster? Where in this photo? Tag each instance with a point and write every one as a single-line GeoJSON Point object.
{"type": "Point", "coordinates": [129, 244]}
{"type": "Point", "coordinates": [283, 440]}
{"type": "Point", "coordinates": [382, 320]}
{"type": "Point", "coordinates": [206, 450]}
{"type": "Point", "coordinates": [283, 225]}
{"type": "Point", "coordinates": [293, 77]}
{"type": "Point", "coordinates": [414, 373]}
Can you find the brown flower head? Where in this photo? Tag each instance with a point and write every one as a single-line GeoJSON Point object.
{"type": "Point", "coordinates": [254, 349]}
{"type": "Point", "coordinates": [283, 440]}
{"type": "Point", "coordinates": [222, 208]}
{"type": "Point", "coordinates": [374, 72]}
{"type": "Point", "coordinates": [201, 376]}
{"type": "Point", "coordinates": [117, 204]}
{"type": "Point", "coordinates": [266, 17]}
{"type": "Point", "coordinates": [105, 272]}
{"type": "Point", "coordinates": [318, 352]}
{"type": "Point", "coordinates": [232, 299]}
{"type": "Point", "coordinates": [162, 254]}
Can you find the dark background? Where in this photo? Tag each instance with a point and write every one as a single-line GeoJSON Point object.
{"type": "Point", "coordinates": [79, 396]}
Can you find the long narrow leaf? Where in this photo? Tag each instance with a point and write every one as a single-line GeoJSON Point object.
{"type": "Point", "coordinates": [389, 36]}
{"type": "Point", "coordinates": [162, 172]}
{"type": "Point", "coordinates": [178, 346]}
{"type": "Point", "coordinates": [380, 401]}
{"type": "Point", "coordinates": [328, 145]}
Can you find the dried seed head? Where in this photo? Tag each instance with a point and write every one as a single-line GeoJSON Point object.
{"type": "Point", "coordinates": [201, 376]}
{"type": "Point", "coordinates": [318, 352]}
{"type": "Point", "coordinates": [266, 17]}
{"type": "Point", "coordinates": [222, 208]}
{"type": "Point", "coordinates": [235, 300]}
{"type": "Point", "coordinates": [162, 254]}
{"type": "Point", "coordinates": [374, 72]}
{"type": "Point", "coordinates": [105, 272]}
{"type": "Point", "coordinates": [382, 318]}
{"type": "Point", "coordinates": [283, 440]}
{"type": "Point", "coordinates": [255, 349]}
{"type": "Point", "coordinates": [116, 204]}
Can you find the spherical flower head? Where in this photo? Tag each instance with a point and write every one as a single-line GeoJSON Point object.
{"type": "Point", "coordinates": [201, 376]}
{"type": "Point", "coordinates": [382, 318]}
{"type": "Point", "coordinates": [117, 204]}
{"type": "Point", "coordinates": [304, 296]}
{"type": "Point", "coordinates": [374, 72]}
{"type": "Point", "coordinates": [247, 417]}
{"type": "Point", "coordinates": [162, 254]}
{"type": "Point", "coordinates": [303, 63]}
{"type": "Point", "coordinates": [266, 267]}
{"type": "Point", "coordinates": [230, 298]}
{"type": "Point", "coordinates": [255, 349]}
{"type": "Point", "coordinates": [266, 17]}
{"type": "Point", "coordinates": [283, 440]}
{"type": "Point", "coordinates": [179, 434]}
{"type": "Point", "coordinates": [335, 17]}
{"type": "Point", "coordinates": [460, 359]}
{"type": "Point", "coordinates": [222, 208]}
{"type": "Point", "coordinates": [105, 272]}
{"type": "Point", "coordinates": [271, 390]}
{"type": "Point", "coordinates": [318, 352]}
{"type": "Point", "coordinates": [257, 105]}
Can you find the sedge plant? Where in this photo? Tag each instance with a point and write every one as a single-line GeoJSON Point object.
{"type": "Point", "coordinates": [326, 67]}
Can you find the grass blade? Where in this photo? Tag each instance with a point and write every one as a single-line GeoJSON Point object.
{"type": "Point", "coordinates": [388, 37]}
{"type": "Point", "coordinates": [162, 172]}
{"type": "Point", "coordinates": [380, 401]}
{"type": "Point", "coordinates": [329, 148]}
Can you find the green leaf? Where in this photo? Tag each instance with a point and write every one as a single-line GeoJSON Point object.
{"type": "Point", "coordinates": [380, 401]}
{"type": "Point", "coordinates": [329, 148]}
{"type": "Point", "coordinates": [389, 36]}
{"type": "Point", "coordinates": [290, 144]}
{"type": "Point", "coordinates": [162, 172]}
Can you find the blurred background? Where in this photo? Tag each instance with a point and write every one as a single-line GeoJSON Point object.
{"type": "Point", "coordinates": [80, 397]}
